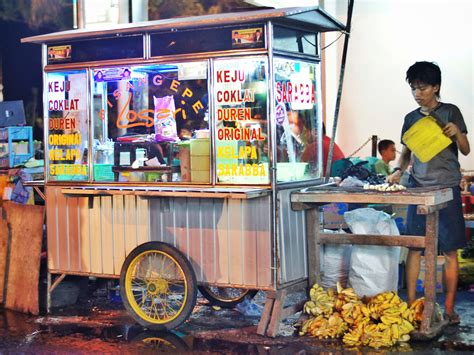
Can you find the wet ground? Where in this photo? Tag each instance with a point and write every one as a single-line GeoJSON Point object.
{"type": "Point", "coordinates": [96, 324]}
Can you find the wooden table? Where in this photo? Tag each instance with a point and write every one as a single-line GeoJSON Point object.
{"type": "Point", "coordinates": [428, 201]}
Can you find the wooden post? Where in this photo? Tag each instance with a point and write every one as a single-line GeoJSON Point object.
{"type": "Point", "coordinates": [374, 146]}
{"type": "Point", "coordinates": [313, 229]}
{"type": "Point", "coordinates": [431, 251]}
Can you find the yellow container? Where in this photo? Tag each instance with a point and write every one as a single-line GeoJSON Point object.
{"type": "Point", "coordinates": [200, 176]}
{"type": "Point", "coordinates": [200, 146]}
{"type": "Point", "coordinates": [200, 162]}
{"type": "Point", "coordinates": [153, 176]}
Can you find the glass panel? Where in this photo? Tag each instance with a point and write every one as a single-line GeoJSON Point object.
{"type": "Point", "coordinates": [290, 40]}
{"type": "Point", "coordinates": [66, 97]}
{"type": "Point", "coordinates": [98, 49]}
{"type": "Point", "coordinates": [241, 121]}
{"type": "Point", "coordinates": [296, 120]}
{"type": "Point", "coordinates": [207, 40]}
{"type": "Point", "coordinates": [151, 123]}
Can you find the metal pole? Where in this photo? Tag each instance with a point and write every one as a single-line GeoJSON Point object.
{"type": "Point", "coordinates": [339, 91]}
{"type": "Point", "coordinates": [374, 146]}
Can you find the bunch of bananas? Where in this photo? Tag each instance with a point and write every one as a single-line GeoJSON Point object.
{"type": "Point", "coordinates": [384, 321]}
{"type": "Point", "coordinates": [417, 309]}
{"type": "Point", "coordinates": [343, 296]}
{"type": "Point", "coordinates": [320, 303]}
{"type": "Point", "coordinates": [324, 328]}
{"type": "Point", "coordinates": [355, 313]}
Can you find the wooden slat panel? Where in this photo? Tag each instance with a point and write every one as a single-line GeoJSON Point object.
{"type": "Point", "coordinates": [415, 196]}
{"type": "Point", "coordinates": [366, 239]}
{"type": "Point", "coordinates": [208, 257]}
{"type": "Point", "coordinates": [4, 244]}
{"type": "Point", "coordinates": [84, 235]}
{"type": "Point", "coordinates": [25, 253]}
{"type": "Point", "coordinates": [195, 225]}
{"type": "Point", "coordinates": [143, 220]}
{"type": "Point", "coordinates": [222, 262]}
{"type": "Point", "coordinates": [72, 210]}
{"type": "Point", "coordinates": [95, 237]}
{"type": "Point", "coordinates": [236, 250]}
{"type": "Point", "coordinates": [51, 225]}
{"type": "Point", "coordinates": [63, 231]}
{"type": "Point", "coordinates": [118, 230]}
{"type": "Point", "coordinates": [264, 244]}
{"type": "Point", "coordinates": [130, 224]}
{"type": "Point", "coordinates": [249, 193]}
{"type": "Point", "coordinates": [250, 236]}
{"type": "Point", "coordinates": [106, 225]}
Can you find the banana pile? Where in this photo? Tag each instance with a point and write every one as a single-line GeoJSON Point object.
{"type": "Point", "coordinates": [384, 320]}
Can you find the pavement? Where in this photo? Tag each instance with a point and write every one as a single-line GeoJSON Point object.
{"type": "Point", "coordinates": [98, 324]}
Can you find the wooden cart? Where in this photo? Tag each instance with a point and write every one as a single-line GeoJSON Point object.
{"type": "Point", "coordinates": [428, 201]}
{"type": "Point", "coordinates": [215, 213]}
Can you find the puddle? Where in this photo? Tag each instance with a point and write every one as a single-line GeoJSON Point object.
{"type": "Point", "coordinates": [107, 328]}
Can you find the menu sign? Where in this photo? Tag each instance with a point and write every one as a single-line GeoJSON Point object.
{"type": "Point", "coordinates": [241, 132]}
{"type": "Point", "coordinates": [65, 132]}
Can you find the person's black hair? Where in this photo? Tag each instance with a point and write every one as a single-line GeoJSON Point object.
{"type": "Point", "coordinates": [426, 73]}
{"type": "Point", "coordinates": [384, 144]}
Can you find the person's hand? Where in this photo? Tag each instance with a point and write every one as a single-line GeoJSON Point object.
{"type": "Point", "coordinates": [451, 130]}
{"type": "Point", "coordinates": [394, 178]}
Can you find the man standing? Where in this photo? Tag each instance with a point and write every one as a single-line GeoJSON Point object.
{"type": "Point", "coordinates": [443, 170]}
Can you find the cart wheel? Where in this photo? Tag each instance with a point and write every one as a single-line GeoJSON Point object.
{"type": "Point", "coordinates": [162, 341]}
{"type": "Point", "coordinates": [158, 286]}
{"type": "Point", "coordinates": [226, 297]}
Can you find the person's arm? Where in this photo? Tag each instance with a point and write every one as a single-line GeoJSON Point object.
{"type": "Point", "coordinates": [452, 131]}
{"type": "Point", "coordinates": [403, 163]}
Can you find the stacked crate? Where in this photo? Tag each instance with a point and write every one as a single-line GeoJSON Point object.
{"type": "Point", "coordinates": [16, 145]}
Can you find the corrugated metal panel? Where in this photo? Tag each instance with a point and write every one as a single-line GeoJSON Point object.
{"type": "Point", "coordinates": [228, 241]}
{"type": "Point", "coordinates": [291, 240]}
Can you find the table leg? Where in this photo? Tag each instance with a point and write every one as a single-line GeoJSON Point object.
{"type": "Point", "coordinates": [431, 252]}
{"type": "Point", "coordinates": [313, 229]}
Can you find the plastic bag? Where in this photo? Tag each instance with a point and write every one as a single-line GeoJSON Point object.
{"type": "Point", "coordinates": [335, 263]}
{"type": "Point", "coordinates": [165, 124]}
{"type": "Point", "coordinates": [357, 170]}
{"type": "Point", "coordinates": [373, 269]}
{"type": "Point", "coordinates": [351, 181]}
{"type": "Point", "coordinates": [249, 308]}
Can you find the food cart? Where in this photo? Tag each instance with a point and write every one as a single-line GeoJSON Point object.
{"type": "Point", "coordinates": [172, 148]}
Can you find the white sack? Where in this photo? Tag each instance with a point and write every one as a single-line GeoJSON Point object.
{"type": "Point", "coordinates": [335, 262]}
{"type": "Point", "coordinates": [373, 269]}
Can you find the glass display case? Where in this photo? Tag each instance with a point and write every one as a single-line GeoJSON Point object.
{"type": "Point", "coordinates": [152, 122]}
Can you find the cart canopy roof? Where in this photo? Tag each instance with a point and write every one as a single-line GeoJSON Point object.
{"type": "Point", "coordinates": [312, 18]}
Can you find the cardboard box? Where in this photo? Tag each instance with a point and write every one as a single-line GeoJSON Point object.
{"type": "Point", "coordinates": [420, 283]}
{"type": "Point", "coordinates": [333, 215]}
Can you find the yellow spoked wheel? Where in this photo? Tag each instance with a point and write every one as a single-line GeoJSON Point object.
{"type": "Point", "coordinates": [158, 286]}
